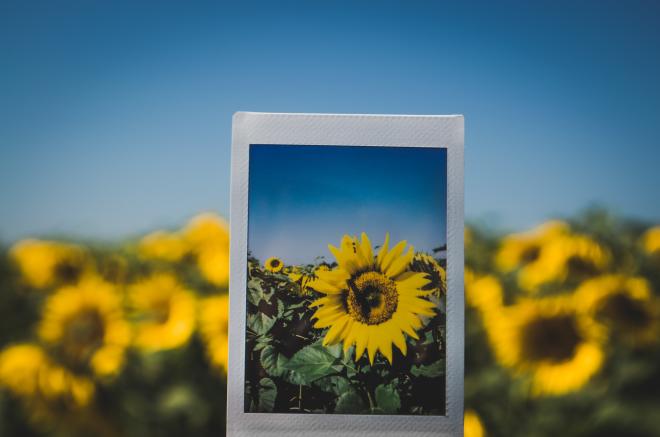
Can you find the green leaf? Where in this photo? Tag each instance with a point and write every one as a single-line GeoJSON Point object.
{"type": "Point", "coordinates": [260, 323]}
{"type": "Point", "coordinates": [349, 403]}
{"type": "Point", "coordinates": [311, 363]}
{"type": "Point", "coordinates": [267, 395]}
{"type": "Point", "coordinates": [333, 384]}
{"type": "Point", "coordinates": [387, 399]}
{"type": "Point", "coordinates": [255, 292]}
{"type": "Point", "coordinates": [273, 362]}
{"type": "Point", "coordinates": [431, 371]}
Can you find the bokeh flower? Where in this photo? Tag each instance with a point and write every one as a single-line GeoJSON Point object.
{"type": "Point", "coordinates": [207, 236]}
{"type": "Point", "coordinates": [162, 245]}
{"type": "Point", "coordinates": [472, 426]}
{"type": "Point", "coordinates": [483, 292]}
{"type": "Point", "coordinates": [164, 311]}
{"type": "Point", "coordinates": [651, 241]}
{"type": "Point", "coordinates": [86, 324]}
{"type": "Point", "coordinates": [520, 249]}
{"type": "Point", "coordinates": [548, 340]}
{"type": "Point", "coordinates": [371, 301]}
{"type": "Point", "coordinates": [214, 328]}
{"type": "Point", "coordinates": [623, 305]}
{"type": "Point", "coordinates": [49, 263]}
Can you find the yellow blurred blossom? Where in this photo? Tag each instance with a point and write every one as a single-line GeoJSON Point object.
{"type": "Point", "coordinates": [517, 250]}
{"type": "Point", "coordinates": [651, 241]}
{"type": "Point", "coordinates": [623, 305]}
{"type": "Point", "coordinates": [472, 426]}
{"type": "Point", "coordinates": [574, 257]}
{"type": "Point", "coordinates": [164, 246]}
{"type": "Point", "coordinates": [207, 236]}
{"type": "Point", "coordinates": [213, 327]}
{"type": "Point", "coordinates": [483, 292]}
{"type": "Point", "coordinates": [48, 263]}
{"type": "Point", "coordinates": [30, 374]}
{"type": "Point", "coordinates": [548, 340]}
{"type": "Point", "coordinates": [86, 324]}
{"type": "Point", "coordinates": [165, 312]}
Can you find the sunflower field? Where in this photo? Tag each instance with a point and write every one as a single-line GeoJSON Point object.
{"type": "Point", "coordinates": [562, 333]}
{"type": "Point", "coordinates": [361, 335]}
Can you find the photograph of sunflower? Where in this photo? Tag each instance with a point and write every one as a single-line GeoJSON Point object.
{"type": "Point", "coordinates": [346, 283]}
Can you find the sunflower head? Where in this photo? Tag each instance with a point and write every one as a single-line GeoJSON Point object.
{"type": "Point", "coordinates": [165, 312]}
{"type": "Point", "coordinates": [273, 264]}
{"type": "Point", "coordinates": [623, 306]}
{"type": "Point", "coordinates": [86, 324]}
{"type": "Point", "coordinates": [549, 340]}
{"type": "Point", "coordinates": [518, 250]}
{"type": "Point", "coordinates": [472, 426]}
{"type": "Point", "coordinates": [565, 258]}
{"type": "Point", "coordinates": [370, 300]}
{"type": "Point", "coordinates": [48, 263]}
{"type": "Point", "coordinates": [29, 373]}
{"type": "Point", "coordinates": [214, 328]}
{"type": "Point", "coordinates": [651, 241]}
{"type": "Point", "coordinates": [483, 292]}
{"type": "Point", "coordinates": [164, 246]}
{"type": "Point", "coordinates": [424, 263]}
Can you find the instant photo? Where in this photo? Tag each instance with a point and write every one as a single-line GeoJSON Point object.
{"type": "Point", "coordinates": [346, 286]}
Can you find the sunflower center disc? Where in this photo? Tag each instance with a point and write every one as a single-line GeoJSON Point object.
{"type": "Point", "coordinates": [372, 298]}
{"type": "Point", "coordinates": [552, 339]}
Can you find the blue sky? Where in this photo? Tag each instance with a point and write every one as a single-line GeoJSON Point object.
{"type": "Point", "coordinates": [302, 198]}
{"type": "Point", "coordinates": [115, 117]}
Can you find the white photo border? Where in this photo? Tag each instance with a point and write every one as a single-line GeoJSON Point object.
{"type": "Point", "coordinates": [345, 130]}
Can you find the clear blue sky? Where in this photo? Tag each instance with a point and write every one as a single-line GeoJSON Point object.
{"type": "Point", "coordinates": [301, 198]}
{"type": "Point", "coordinates": [115, 117]}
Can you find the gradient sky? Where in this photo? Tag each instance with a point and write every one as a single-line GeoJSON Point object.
{"type": "Point", "coordinates": [301, 198]}
{"type": "Point", "coordinates": [115, 117]}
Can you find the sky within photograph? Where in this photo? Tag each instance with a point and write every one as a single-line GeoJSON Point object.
{"type": "Point", "coordinates": [302, 198]}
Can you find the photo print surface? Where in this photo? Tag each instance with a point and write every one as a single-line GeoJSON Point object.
{"type": "Point", "coordinates": [346, 282]}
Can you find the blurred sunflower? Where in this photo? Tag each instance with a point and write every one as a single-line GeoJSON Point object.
{"type": "Point", "coordinates": [86, 325]}
{"type": "Point", "coordinates": [161, 245]}
{"type": "Point", "coordinates": [164, 311]}
{"type": "Point", "coordinates": [549, 340]}
{"type": "Point", "coordinates": [30, 374]}
{"type": "Point", "coordinates": [623, 305]}
{"type": "Point", "coordinates": [565, 257]}
{"type": "Point", "coordinates": [472, 426]}
{"type": "Point", "coordinates": [214, 327]}
{"type": "Point", "coordinates": [303, 279]}
{"type": "Point", "coordinates": [273, 264]}
{"type": "Point", "coordinates": [651, 241]}
{"type": "Point", "coordinates": [517, 250]}
{"type": "Point", "coordinates": [48, 263]}
{"type": "Point", "coordinates": [424, 263]}
{"type": "Point", "coordinates": [371, 301]}
{"type": "Point", "coordinates": [207, 236]}
{"type": "Point", "coordinates": [483, 292]}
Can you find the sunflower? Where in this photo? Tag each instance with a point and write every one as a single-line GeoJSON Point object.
{"type": "Point", "coordinates": [548, 340]}
{"type": "Point", "coordinates": [424, 263]}
{"type": "Point", "coordinates": [483, 292]}
{"type": "Point", "coordinates": [207, 236]}
{"type": "Point", "coordinates": [651, 241]}
{"type": "Point", "coordinates": [303, 279]}
{"type": "Point", "coordinates": [472, 426]}
{"type": "Point", "coordinates": [371, 301]}
{"type": "Point", "coordinates": [48, 263]}
{"type": "Point", "coordinates": [86, 325]}
{"type": "Point", "coordinates": [213, 327]}
{"type": "Point", "coordinates": [566, 257]}
{"type": "Point", "coordinates": [28, 372]}
{"type": "Point", "coordinates": [622, 305]}
{"type": "Point", "coordinates": [165, 312]}
{"type": "Point", "coordinates": [273, 264]}
{"type": "Point", "coordinates": [517, 250]}
{"type": "Point", "coordinates": [161, 245]}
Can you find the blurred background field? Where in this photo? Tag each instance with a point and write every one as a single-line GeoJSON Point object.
{"type": "Point", "coordinates": [115, 124]}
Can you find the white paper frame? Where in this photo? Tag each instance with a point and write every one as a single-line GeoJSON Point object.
{"type": "Point", "coordinates": [345, 130]}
